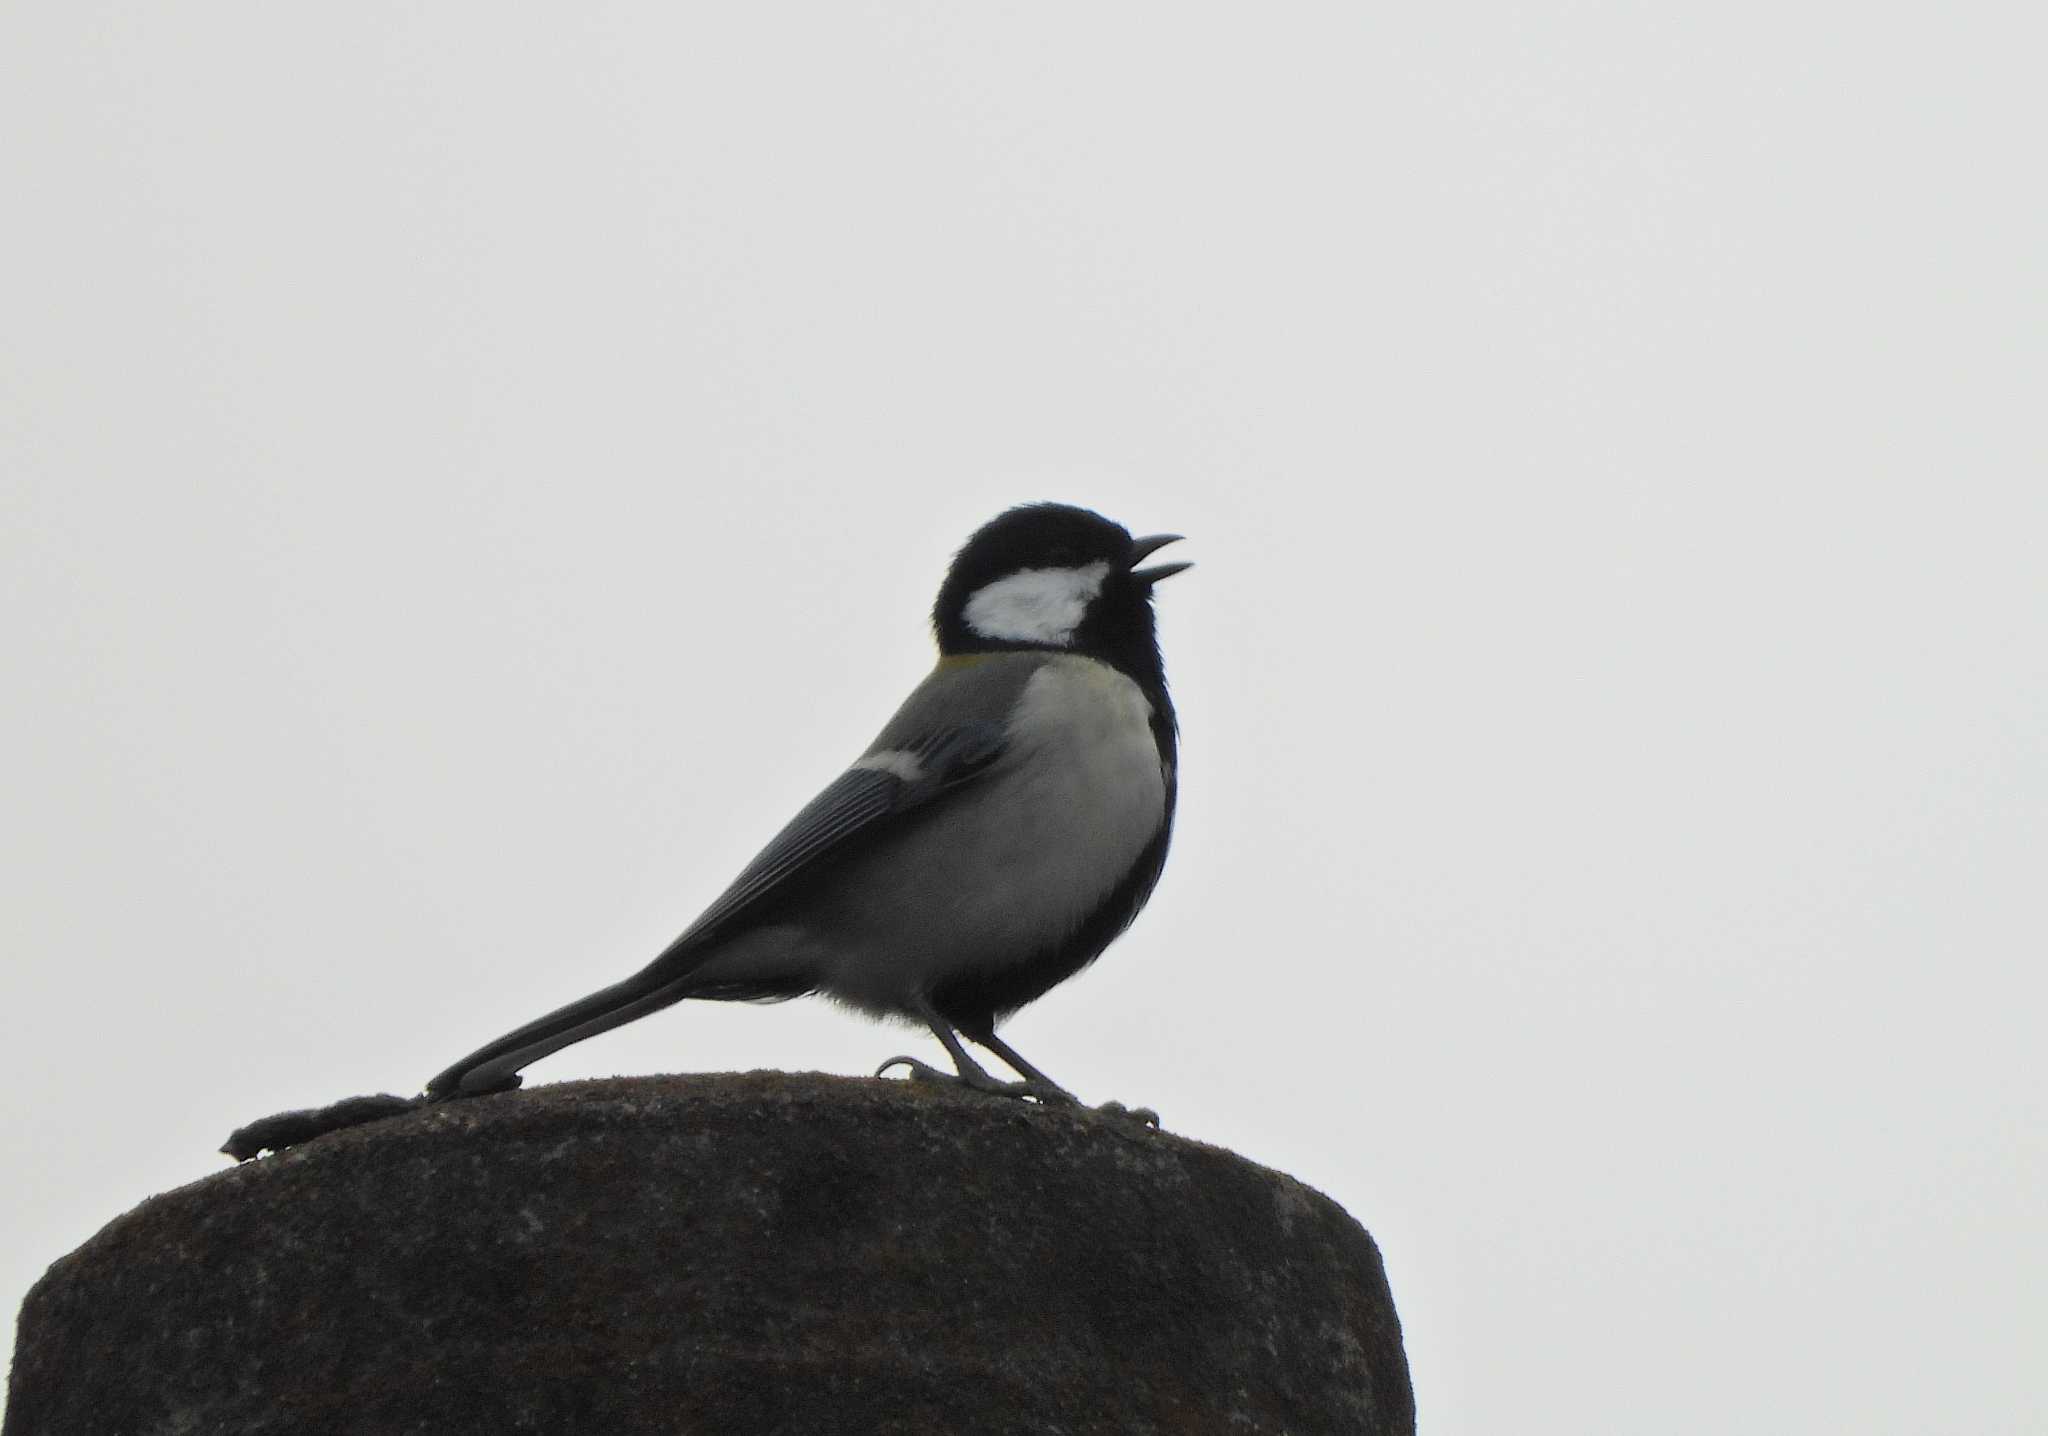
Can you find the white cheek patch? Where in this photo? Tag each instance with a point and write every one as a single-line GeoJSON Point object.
{"type": "Point", "coordinates": [1038, 605]}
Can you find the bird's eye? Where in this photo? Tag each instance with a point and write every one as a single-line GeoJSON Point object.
{"type": "Point", "coordinates": [1065, 556]}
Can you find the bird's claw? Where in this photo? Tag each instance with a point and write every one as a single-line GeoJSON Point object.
{"type": "Point", "coordinates": [919, 1071]}
{"type": "Point", "coordinates": [1144, 1116]}
{"type": "Point", "coordinates": [979, 1081]}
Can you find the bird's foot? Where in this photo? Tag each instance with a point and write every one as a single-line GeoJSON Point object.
{"type": "Point", "coordinates": [1143, 1116]}
{"type": "Point", "coordinates": [976, 1080]}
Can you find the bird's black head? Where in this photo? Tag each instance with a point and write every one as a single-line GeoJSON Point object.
{"type": "Point", "coordinates": [1054, 576]}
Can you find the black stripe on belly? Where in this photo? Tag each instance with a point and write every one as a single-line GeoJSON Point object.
{"type": "Point", "coordinates": [975, 1002]}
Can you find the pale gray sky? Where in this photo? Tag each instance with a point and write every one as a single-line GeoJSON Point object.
{"type": "Point", "coordinates": [471, 471]}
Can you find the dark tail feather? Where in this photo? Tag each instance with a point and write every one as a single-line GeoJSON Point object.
{"type": "Point", "coordinates": [494, 1068]}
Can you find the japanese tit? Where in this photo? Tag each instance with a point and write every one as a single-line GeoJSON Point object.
{"type": "Point", "coordinates": [1007, 824]}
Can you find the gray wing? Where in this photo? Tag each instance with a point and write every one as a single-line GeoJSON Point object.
{"type": "Point", "coordinates": [851, 806]}
{"type": "Point", "coordinates": [950, 731]}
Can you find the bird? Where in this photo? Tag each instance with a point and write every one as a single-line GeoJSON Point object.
{"type": "Point", "coordinates": [1005, 826]}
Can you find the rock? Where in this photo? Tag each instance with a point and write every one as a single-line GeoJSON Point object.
{"type": "Point", "coordinates": [722, 1254]}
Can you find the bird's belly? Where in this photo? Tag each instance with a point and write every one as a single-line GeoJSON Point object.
{"type": "Point", "coordinates": [1009, 868]}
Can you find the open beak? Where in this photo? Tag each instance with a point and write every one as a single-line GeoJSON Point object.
{"type": "Point", "coordinates": [1144, 548]}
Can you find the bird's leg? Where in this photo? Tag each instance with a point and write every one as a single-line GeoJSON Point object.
{"type": "Point", "coordinates": [1024, 1069]}
{"type": "Point", "coordinates": [971, 1074]}
{"type": "Point", "coordinates": [1037, 1078]}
